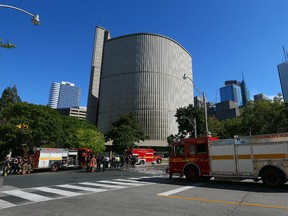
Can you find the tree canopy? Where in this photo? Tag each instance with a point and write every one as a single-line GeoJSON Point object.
{"type": "Point", "coordinates": [41, 126]}
{"type": "Point", "coordinates": [257, 117]}
{"type": "Point", "coordinates": [126, 132]}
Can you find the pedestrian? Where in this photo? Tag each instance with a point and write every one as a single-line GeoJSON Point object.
{"type": "Point", "coordinates": [104, 163]}
{"type": "Point", "coordinates": [14, 166]}
{"type": "Point", "coordinates": [98, 161]}
{"type": "Point", "coordinates": [24, 165]}
{"type": "Point", "coordinates": [92, 163]}
{"type": "Point", "coordinates": [6, 166]}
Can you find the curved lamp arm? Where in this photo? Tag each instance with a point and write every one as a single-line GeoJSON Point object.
{"type": "Point", "coordinates": [35, 18]}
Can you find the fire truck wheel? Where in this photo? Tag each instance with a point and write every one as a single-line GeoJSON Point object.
{"type": "Point", "coordinates": [142, 162]}
{"type": "Point", "coordinates": [159, 161]}
{"type": "Point", "coordinates": [192, 173]}
{"type": "Point", "coordinates": [54, 167]}
{"type": "Point", "coordinates": [273, 177]}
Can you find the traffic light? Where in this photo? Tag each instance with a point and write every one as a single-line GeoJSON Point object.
{"type": "Point", "coordinates": [22, 126]}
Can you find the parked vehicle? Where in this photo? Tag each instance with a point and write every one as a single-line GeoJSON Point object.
{"type": "Point", "coordinates": [145, 155]}
{"type": "Point", "coordinates": [56, 158]}
{"type": "Point", "coordinates": [261, 157]}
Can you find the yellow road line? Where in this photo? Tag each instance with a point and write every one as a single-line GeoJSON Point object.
{"type": "Point", "coordinates": [227, 202]}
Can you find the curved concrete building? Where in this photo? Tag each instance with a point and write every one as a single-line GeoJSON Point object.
{"type": "Point", "coordinates": [140, 73]}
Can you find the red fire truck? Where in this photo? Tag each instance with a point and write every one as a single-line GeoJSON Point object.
{"type": "Point", "coordinates": [144, 155]}
{"type": "Point", "coordinates": [262, 157]}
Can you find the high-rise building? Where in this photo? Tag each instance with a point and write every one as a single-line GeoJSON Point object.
{"type": "Point", "coordinates": [139, 73]}
{"type": "Point", "coordinates": [64, 95]}
{"type": "Point", "coordinates": [283, 76]}
{"type": "Point", "coordinates": [244, 92]}
{"type": "Point", "coordinates": [54, 95]}
{"type": "Point", "coordinates": [231, 92]}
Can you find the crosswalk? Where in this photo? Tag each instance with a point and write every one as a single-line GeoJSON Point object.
{"type": "Point", "coordinates": [16, 197]}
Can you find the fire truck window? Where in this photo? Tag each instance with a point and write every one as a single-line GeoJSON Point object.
{"type": "Point", "coordinates": [179, 150]}
{"type": "Point", "coordinates": [202, 149]}
{"type": "Point", "coordinates": [192, 150]}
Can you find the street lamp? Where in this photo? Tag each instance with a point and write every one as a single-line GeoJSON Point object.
{"type": "Point", "coordinates": [193, 124]}
{"type": "Point", "coordinates": [204, 101]}
{"type": "Point", "coordinates": [35, 18]}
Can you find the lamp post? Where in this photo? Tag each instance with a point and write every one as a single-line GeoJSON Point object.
{"type": "Point", "coordinates": [204, 101]}
{"type": "Point", "coordinates": [35, 18]}
{"type": "Point", "coordinates": [193, 124]}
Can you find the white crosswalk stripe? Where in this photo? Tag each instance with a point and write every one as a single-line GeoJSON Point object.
{"type": "Point", "coordinates": [4, 204]}
{"type": "Point", "coordinates": [96, 190]}
{"type": "Point", "coordinates": [65, 191]}
{"type": "Point", "coordinates": [103, 185]}
{"type": "Point", "coordinates": [26, 195]}
{"type": "Point", "coordinates": [122, 183]}
{"type": "Point", "coordinates": [57, 191]}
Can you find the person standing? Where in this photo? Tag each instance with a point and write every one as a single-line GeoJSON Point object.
{"type": "Point", "coordinates": [92, 164]}
{"type": "Point", "coordinates": [98, 161]}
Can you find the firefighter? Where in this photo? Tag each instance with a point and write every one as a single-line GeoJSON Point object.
{"type": "Point", "coordinates": [92, 164]}
{"type": "Point", "coordinates": [25, 165]}
{"type": "Point", "coordinates": [6, 166]}
{"type": "Point", "coordinates": [98, 164]}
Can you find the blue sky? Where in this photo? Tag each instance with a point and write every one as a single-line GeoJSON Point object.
{"type": "Point", "coordinates": [224, 37]}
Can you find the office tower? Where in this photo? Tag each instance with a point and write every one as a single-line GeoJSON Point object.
{"type": "Point", "coordinates": [54, 95]}
{"type": "Point", "coordinates": [64, 95]}
{"type": "Point", "coordinates": [283, 76]}
{"type": "Point", "coordinates": [244, 92]}
{"type": "Point", "coordinates": [231, 92]}
{"type": "Point", "coordinates": [139, 73]}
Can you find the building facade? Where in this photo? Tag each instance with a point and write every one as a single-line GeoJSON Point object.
{"type": "Point", "coordinates": [283, 76]}
{"type": "Point", "coordinates": [79, 112]}
{"type": "Point", "coordinates": [231, 92]}
{"type": "Point", "coordinates": [64, 95]}
{"type": "Point", "coordinates": [139, 73]}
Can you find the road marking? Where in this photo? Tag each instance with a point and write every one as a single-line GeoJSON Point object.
{"type": "Point", "coordinates": [226, 202]}
{"type": "Point", "coordinates": [177, 190]}
{"type": "Point", "coordinates": [29, 196]}
{"type": "Point", "coordinates": [4, 204]}
{"type": "Point", "coordinates": [58, 191]}
{"type": "Point", "coordinates": [103, 185]}
{"type": "Point", "coordinates": [132, 181]}
{"type": "Point", "coordinates": [96, 190]}
{"type": "Point", "coordinates": [121, 183]}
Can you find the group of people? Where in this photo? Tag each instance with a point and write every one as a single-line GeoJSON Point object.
{"type": "Point", "coordinates": [17, 165]}
{"type": "Point", "coordinates": [95, 162]}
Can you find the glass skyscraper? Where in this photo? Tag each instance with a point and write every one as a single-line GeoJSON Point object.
{"type": "Point", "coordinates": [64, 95]}
{"type": "Point", "coordinates": [283, 75]}
{"type": "Point", "coordinates": [231, 92]}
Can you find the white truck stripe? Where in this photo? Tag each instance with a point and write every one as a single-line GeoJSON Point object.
{"type": "Point", "coordinates": [26, 195]}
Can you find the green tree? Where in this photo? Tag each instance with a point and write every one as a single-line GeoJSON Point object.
{"type": "Point", "coordinates": [92, 139]}
{"type": "Point", "coordinates": [44, 124]}
{"type": "Point", "coordinates": [9, 95]}
{"type": "Point", "coordinates": [126, 132]}
{"type": "Point", "coordinates": [6, 45]}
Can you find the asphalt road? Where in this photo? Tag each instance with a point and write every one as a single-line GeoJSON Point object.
{"type": "Point", "coordinates": [146, 190]}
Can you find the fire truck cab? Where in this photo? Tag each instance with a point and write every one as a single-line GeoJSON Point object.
{"type": "Point", "coordinates": [190, 157]}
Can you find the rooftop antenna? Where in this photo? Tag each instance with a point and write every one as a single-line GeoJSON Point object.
{"type": "Point", "coordinates": [285, 54]}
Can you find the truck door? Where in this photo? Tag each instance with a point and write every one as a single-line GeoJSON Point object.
{"type": "Point", "coordinates": [202, 159]}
